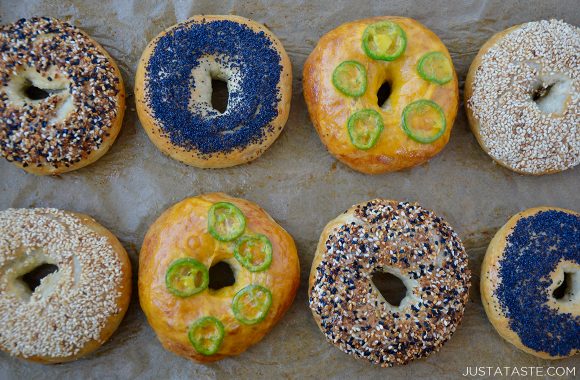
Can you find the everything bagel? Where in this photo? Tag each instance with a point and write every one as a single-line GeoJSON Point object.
{"type": "Point", "coordinates": [61, 97]}
{"type": "Point", "coordinates": [407, 241]}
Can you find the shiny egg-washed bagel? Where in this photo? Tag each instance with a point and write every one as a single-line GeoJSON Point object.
{"type": "Point", "coordinates": [189, 317]}
{"type": "Point", "coordinates": [344, 75]}
{"type": "Point", "coordinates": [173, 90]}
{"type": "Point", "coordinates": [530, 282]}
{"type": "Point", "coordinates": [65, 284]}
{"type": "Point", "coordinates": [62, 98]}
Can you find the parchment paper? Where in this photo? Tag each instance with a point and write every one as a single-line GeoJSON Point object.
{"type": "Point", "coordinates": [296, 181]}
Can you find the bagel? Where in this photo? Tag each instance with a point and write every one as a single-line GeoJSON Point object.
{"type": "Point", "coordinates": [61, 97]}
{"type": "Point", "coordinates": [522, 97]}
{"type": "Point", "coordinates": [530, 282]}
{"type": "Point", "coordinates": [173, 90]}
{"type": "Point", "coordinates": [72, 311]}
{"type": "Point", "coordinates": [347, 71]}
{"type": "Point", "coordinates": [190, 317]}
{"type": "Point", "coordinates": [407, 241]}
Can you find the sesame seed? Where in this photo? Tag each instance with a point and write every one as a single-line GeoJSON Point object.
{"type": "Point", "coordinates": [513, 129]}
{"type": "Point", "coordinates": [77, 308]}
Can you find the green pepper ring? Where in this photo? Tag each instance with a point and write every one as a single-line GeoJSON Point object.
{"type": "Point", "coordinates": [401, 34]}
{"type": "Point", "coordinates": [350, 127]}
{"type": "Point", "coordinates": [197, 344]}
{"type": "Point", "coordinates": [423, 102]}
{"type": "Point", "coordinates": [336, 80]}
{"type": "Point", "coordinates": [193, 263]}
{"type": "Point", "coordinates": [245, 262]}
{"type": "Point", "coordinates": [211, 221]}
{"type": "Point", "coordinates": [264, 310]}
{"type": "Point", "coordinates": [431, 78]}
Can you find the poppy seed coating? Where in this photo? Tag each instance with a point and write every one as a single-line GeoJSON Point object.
{"type": "Point", "coordinates": [533, 251]}
{"type": "Point", "coordinates": [253, 100]}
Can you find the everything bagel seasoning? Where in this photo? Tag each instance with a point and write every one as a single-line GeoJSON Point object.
{"type": "Point", "coordinates": [33, 133]}
{"type": "Point", "coordinates": [422, 247]}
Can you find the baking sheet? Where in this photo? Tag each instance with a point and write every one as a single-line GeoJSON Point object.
{"type": "Point", "coordinates": [296, 181]}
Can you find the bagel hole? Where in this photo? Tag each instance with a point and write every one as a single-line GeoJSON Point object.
{"type": "Point", "coordinates": [391, 287]}
{"type": "Point", "coordinates": [34, 93]}
{"type": "Point", "coordinates": [219, 95]}
{"type": "Point", "coordinates": [383, 93]}
{"type": "Point", "coordinates": [565, 289]}
{"type": "Point", "coordinates": [221, 275]}
{"type": "Point", "coordinates": [33, 278]}
{"type": "Point", "coordinates": [541, 92]}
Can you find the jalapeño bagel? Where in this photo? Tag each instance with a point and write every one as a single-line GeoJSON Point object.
{"type": "Point", "coordinates": [190, 317]}
{"type": "Point", "coordinates": [347, 72]}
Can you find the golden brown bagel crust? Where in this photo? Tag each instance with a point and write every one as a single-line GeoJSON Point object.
{"type": "Point", "coordinates": [490, 281]}
{"type": "Point", "coordinates": [181, 231]}
{"type": "Point", "coordinates": [108, 139]}
{"type": "Point", "coordinates": [122, 302]}
{"type": "Point", "coordinates": [329, 109]}
{"type": "Point", "coordinates": [221, 159]}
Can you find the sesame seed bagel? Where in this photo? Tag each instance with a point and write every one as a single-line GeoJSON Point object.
{"type": "Point", "coordinates": [407, 241]}
{"type": "Point", "coordinates": [530, 282]}
{"type": "Point", "coordinates": [417, 90]}
{"type": "Point", "coordinates": [173, 90]}
{"type": "Point", "coordinates": [522, 97]}
{"type": "Point", "coordinates": [72, 311]}
{"type": "Point", "coordinates": [193, 317]}
{"type": "Point", "coordinates": [61, 97]}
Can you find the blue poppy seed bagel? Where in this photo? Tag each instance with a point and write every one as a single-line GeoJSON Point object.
{"type": "Point", "coordinates": [530, 282]}
{"type": "Point", "coordinates": [173, 90]}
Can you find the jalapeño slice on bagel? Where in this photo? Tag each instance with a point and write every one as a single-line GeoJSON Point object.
{"type": "Point", "coordinates": [358, 82]}
{"type": "Point", "coordinates": [186, 277]}
{"type": "Point", "coordinates": [206, 335]}
{"type": "Point", "coordinates": [384, 40]}
{"type": "Point", "coordinates": [225, 221]}
{"type": "Point", "coordinates": [183, 266]}
{"type": "Point", "coordinates": [350, 78]}
{"type": "Point", "coordinates": [423, 121]}
{"type": "Point", "coordinates": [435, 67]}
{"type": "Point", "coordinates": [251, 304]}
{"type": "Point", "coordinates": [254, 252]}
{"type": "Point", "coordinates": [364, 128]}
